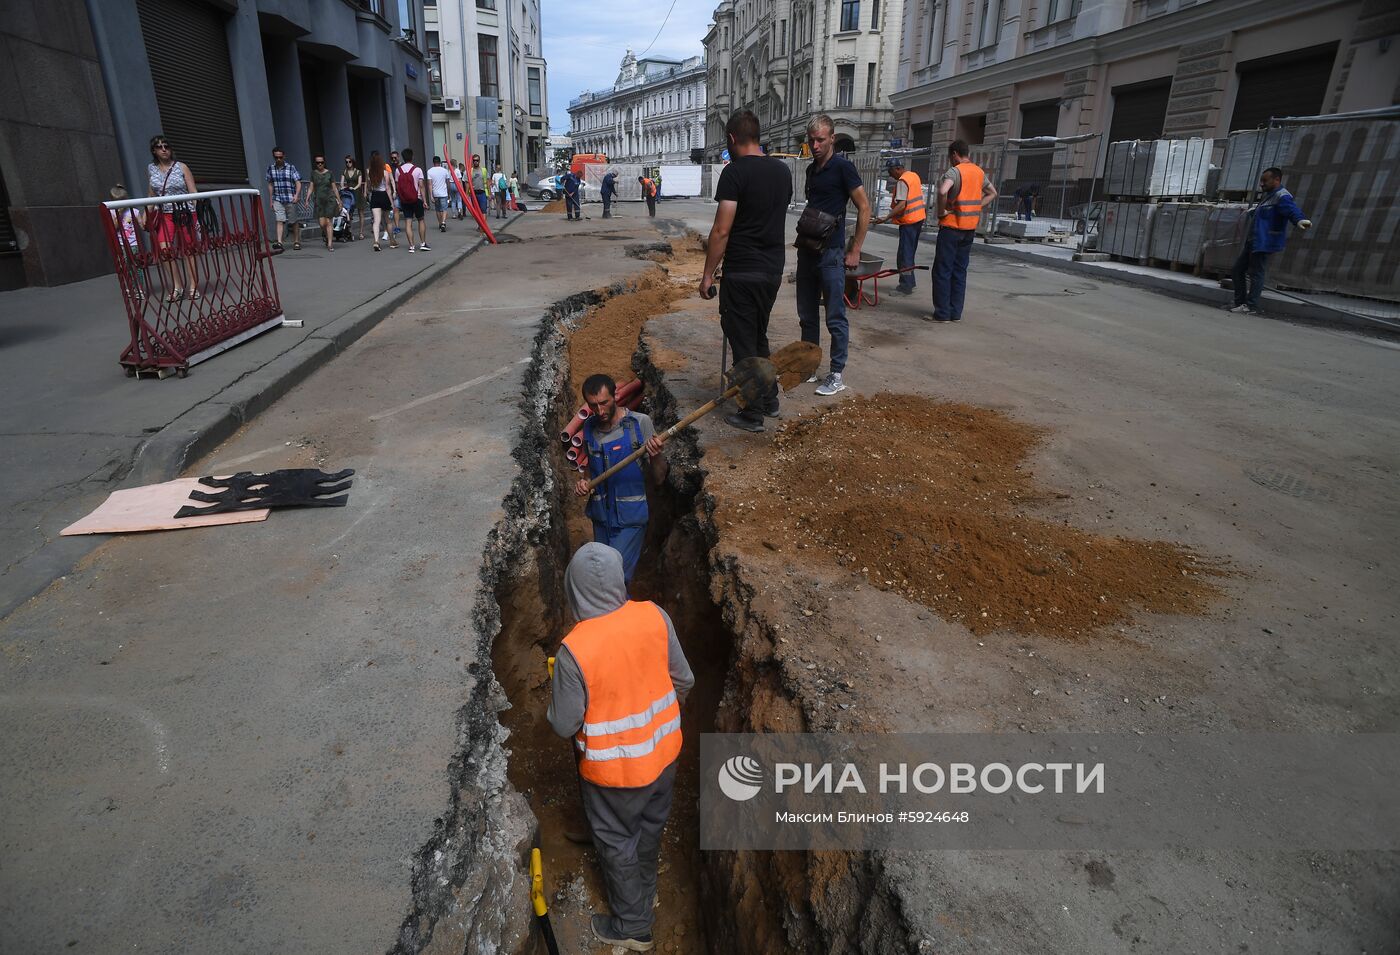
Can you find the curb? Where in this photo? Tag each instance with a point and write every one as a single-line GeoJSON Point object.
{"type": "Point", "coordinates": [1278, 309]}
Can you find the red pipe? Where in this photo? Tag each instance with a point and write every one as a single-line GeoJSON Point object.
{"type": "Point", "coordinates": [572, 455]}
{"type": "Point", "coordinates": [576, 441]}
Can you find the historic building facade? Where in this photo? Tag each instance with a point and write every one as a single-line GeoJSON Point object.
{"type": "Point", "coordinates": [655, 112]}
{"type": "Point", "coordinates": [989, 70]}
{"type": "Point", "coordinates": [789, 59]}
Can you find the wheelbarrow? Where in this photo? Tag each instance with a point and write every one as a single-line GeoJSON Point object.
{"type": "Point", "coordinates": [871, 269]}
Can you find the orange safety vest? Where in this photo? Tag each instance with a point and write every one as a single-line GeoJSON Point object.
{"type": "Point", "coordinates": [914, 204]}
{"type": "Point", "coordinates": [964, 204]}
{"type": "Point", "coordinates": [649, 187]}
{"type": "Point", "coordinates": [632, 724]}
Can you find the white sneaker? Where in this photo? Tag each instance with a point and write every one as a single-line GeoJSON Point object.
{"type": "Point", "coordinates": [384, 237]}
{"type": "Point", "coordinates": [410, 248]}
{"type": "Point", "coordinates": [813, 379]}
{"type": "Point", "coordinates": [425, 247]}
{"type": "Point", "coordinates": [1243, 310]}
{"type": "Point", "coordinates": [832, 385]}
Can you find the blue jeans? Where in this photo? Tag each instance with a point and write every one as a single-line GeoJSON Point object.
{"type": "Point", "coordinates": [627, 541]}
{"type": "Point", "coordinates": [952, 250]}
{"type": "Point", "coordinates": [823, 277]}
{"type": "Point", "coordinates": [1251, 266]}
{"type": "Point", "coordinates": [908, 246]}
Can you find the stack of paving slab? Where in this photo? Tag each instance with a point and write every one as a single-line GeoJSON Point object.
{"type": "Point", "coordinates": [1223, 236]}
{"type": "Point", "coordinates": [1178, 232]}
{"type": "Point", "coordinates": [1249, 152]}
{"type": "Point", "coordinates": [1023, 229]}
{"type": "Point", "coordinates": [1126, 228]}
{"type": "Point", "coordinates": [1147, 169]}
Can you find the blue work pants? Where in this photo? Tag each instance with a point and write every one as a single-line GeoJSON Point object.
{"type": "Point", "coordinates": [822, 277]}
{"type": "Point", "coordinates": [908, 247]}
{"type": "Point", "coordinates": [953, 248]}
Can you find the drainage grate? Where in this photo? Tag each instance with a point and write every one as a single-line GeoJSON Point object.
{"type": "Point", "coordinates": [1290, 484]}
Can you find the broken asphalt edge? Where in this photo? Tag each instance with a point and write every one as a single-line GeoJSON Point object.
{"type": "Point", "coordinates": [202, 428]}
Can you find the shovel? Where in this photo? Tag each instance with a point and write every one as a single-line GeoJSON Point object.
{"type": "Point", "coordinates": [750, 380]}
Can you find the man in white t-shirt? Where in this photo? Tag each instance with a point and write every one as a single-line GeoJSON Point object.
{"type": "Point", "coordinates": [440, 185]}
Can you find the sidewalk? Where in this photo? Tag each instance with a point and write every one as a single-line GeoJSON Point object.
{"type": "Point", "coordinates": [76, 428]}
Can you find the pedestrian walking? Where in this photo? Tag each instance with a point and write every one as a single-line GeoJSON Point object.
{"type": "Point", "coordinates": [461, 202]}
{"type": "Point", "coordinates": [440, 185]}
{"type": "Point", "coordinates": [501, 185]}
{"type": "Point", "coordinates": [608, 190]}
{"type": "Point", "coordinates": [618, 506]}
{"type": "Point", "coordinates": [127, 221]}
{"type": "Point", "coordinates": [173, 221]}
{"type": "Point", "coordinates": [1266, 232]}
{"type": "Point", "coordinates": [381, 199]}
{"type": "Point", "coordinates": [963, 192]}
{"type": "Point", "coordinates": [831, 183]}
{"type": "Point", "coordinates": [394, 163]}
{"type": "Point", "coordinates": [571, 203]}
{"type": "Point", "coordinates": [284, 189]}
{"type": "Point", "coordinates": [748, 233]}
{"type": "Point", "coordinates": [324, 198]}
{"type": "Point", "coordinates": [409, 184]}
{"type": "Point", "coordinates": [907, 212]}
{"type": "Point", "coordinates": [620, 680]}
{"type": "Point", "coordinates": [352, 178]}
{"type": "Point", "coordinates": [483, 205]}
{"type": "Point", "coordinates": [515, 190]}
{"type": "Point", "coordinates": [649, 192]}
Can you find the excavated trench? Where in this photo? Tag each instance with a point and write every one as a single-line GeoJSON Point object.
{"type": "Point", "coordinates": [746, 902]}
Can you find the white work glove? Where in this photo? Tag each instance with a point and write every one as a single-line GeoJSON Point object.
{"type": "Point", "coordinates": [1305, 224]}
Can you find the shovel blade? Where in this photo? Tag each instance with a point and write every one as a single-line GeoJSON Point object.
{"type": "Point", "coordinates": [795, 363]}
{"type": "Point", "coordinates": [754, 377]}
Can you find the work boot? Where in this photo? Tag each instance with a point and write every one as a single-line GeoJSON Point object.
{"type": "Point", "coordinates": [605, 931]}
{"type": "Point", "coordinates": [744, 421]}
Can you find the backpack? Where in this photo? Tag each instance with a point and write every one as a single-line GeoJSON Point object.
{"type": "Point", "coordinates": [408, 189]}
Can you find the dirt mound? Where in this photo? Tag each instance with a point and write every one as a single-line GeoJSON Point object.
{"type": "Point", "coordinates": [554, 205]}
{"type": "Point", "coordinates": [929, 499]}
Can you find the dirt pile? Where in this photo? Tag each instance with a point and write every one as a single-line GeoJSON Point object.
{"type": "Point", "coordinates": [554, 205]}
{"type": "Point", "coordinates": [929, 500]}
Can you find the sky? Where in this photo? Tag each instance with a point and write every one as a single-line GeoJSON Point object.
{"type": "Point", "coordinates": [584, 42]}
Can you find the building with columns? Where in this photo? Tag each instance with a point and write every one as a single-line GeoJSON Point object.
{"type": "Point", "coordinates": [654, 112]}
{"type": "Point", "coordinates": [989, 70]}
{"type": "Point", "coordinates": [789, 59]}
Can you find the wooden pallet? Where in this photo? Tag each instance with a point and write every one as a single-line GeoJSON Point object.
{"type": "Point", "coordinates": [1168, 264]}
{"type": "Point", "coordinates": [1125, 259]}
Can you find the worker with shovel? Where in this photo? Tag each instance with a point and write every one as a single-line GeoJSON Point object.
{"type": "Point", "coordinates": [618, 506]}
{"type": "Point", "coordinates": [619, 681]}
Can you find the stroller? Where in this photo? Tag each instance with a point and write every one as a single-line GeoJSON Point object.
{"type": "Point", "coordinates": [340, 225]}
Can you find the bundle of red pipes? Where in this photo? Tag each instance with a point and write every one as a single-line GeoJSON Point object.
{"type": "Point", "coordinates": [628, 395]}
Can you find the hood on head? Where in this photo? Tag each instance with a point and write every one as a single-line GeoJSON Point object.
{"type": "Point", "coordinates": [594, 581]}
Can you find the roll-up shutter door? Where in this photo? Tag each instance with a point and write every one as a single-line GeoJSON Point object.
{"type": "Point", "coordinates": [187, 46]}
{"type": "Point", "coordinates": [1290, 84]}
{"type": "Point", "coordinates": [1140, 110]}
{"type": "Point", "coordinates": [1037, 119]}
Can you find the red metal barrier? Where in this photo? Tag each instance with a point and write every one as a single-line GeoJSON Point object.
{"type": "Point", "coordinates": [195, 274]}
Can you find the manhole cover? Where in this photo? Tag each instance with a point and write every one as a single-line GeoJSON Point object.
{"type": "Point", "coordinates": [1288, 483]}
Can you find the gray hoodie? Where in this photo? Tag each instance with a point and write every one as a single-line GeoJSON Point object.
{"type": "Point", "coordinates": [595, 587]}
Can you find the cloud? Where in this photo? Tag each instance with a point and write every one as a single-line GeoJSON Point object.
{"type": "Point", "coordinates": [584, 43]}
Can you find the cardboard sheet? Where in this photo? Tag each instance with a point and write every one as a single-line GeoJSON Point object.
{"type": "Point", "coordinates": [152, 508]}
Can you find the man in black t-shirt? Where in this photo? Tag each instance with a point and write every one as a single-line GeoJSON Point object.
{"type": "Point", "coordinates": [748, 235]}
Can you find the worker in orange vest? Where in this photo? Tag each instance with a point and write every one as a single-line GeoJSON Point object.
{"type": "Point", "coordinates": [649, 190]}
{"type": "Point", "coordinates": [619, 681]}
{"type": "Point", "coordinates": [963, 193]}
{"type": "Point", "coordinates": [907, 212]}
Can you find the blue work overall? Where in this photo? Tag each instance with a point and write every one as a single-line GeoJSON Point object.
{"type": "Point", "coordinates": [618, 507]}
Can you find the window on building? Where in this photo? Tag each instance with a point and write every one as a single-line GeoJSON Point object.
{"type": "Point", "coordinates": [870, 84]}
{"type": "Point", "coordinates": [1287, 84]}
{"type": "Point", "coordinates": [1139, 110]}
{"type": "Point", "coordinates": [845, 84]}
{"type": "Point", "coordinates": [874, 14]}
{"type": "Point", "coordinates": [408, 19]}
{"type": "Point", "coordinates": [486, 4]}
{"type": "Point", "coordinates": [536, 100]}
{"type": "Point", "coordinates": [782, 37]}
{"type": "Point", "coordinates": [486, 57]}
{"type": "Point", "coordinates": [850, 16]}
{"type": "Point", "coordinates": [990, 27]}
{"type": "Point", "coordinates": [434, 52]}
{"type": "Point", "coordinates": [935, 32]}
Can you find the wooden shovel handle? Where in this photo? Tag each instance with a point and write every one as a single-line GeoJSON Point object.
{"type": "Point", "coordinates": [685, 422]}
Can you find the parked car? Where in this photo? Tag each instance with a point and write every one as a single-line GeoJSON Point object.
{"type": "Point", "coordinates": [550, 188]}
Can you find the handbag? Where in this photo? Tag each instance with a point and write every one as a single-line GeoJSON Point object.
{"type": "Point", "coordinates": [814, 230]}
{"type": "Point", "coordinates": [179, 213]}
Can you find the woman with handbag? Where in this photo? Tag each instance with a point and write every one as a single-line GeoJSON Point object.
{"type": "Point", "coordinates": [324, 199]}
{"type": "Point", "coordinates": [172, 223]}
{"type": "Point", "coordinates": [353, 178]}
